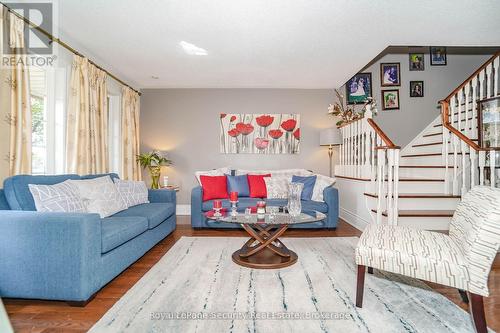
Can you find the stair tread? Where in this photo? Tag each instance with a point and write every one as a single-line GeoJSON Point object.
{"type": "Point", "coordinates": [428, 144]}
{"type": "Point", "coordinates": [421, 213]}
{"type": "Point", "coordinates": [420, 180]}
{"type": "Point", "coordinates": [422, 166]}
{"type": "Point", "coordinates": [419, 195]}
{"type": "Point", "coordinates": [432, 134]}
{"type": "Point", "coordinates": [430, 154]}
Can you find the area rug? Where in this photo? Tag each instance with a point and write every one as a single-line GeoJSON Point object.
{"type": "Point", "coordinates": [196, 287]}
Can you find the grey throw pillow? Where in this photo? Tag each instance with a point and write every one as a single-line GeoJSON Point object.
{"type": "Point", "coordinates": [132, 192]}
{"type": "Point", "coordinates": [99, 195]}
{"type": "Point", "coordinates": [60, 197]}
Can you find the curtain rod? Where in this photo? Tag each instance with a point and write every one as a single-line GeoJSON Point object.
{"type": "Point", "coordinates": [66, 46]}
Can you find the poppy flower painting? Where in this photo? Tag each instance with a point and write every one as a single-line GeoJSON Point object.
{"type": "Point", "coordinates": [259, 133]}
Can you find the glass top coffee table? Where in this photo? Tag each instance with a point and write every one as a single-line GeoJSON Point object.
{"type": "Point", "coordinates": [264, 249]}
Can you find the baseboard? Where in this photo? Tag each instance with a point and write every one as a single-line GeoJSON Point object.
{"type": "Point", "coordinates": [353, 219]}
{"type": "Point", "coordinates": [183, 209]}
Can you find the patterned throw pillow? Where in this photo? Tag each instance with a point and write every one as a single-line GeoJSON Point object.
{"type": "Point", "coordinates": [277, 188]}
{"type": "Point", "coordinates": [99, 195]}
{"type": "Point", "coordinates": [56, 198]}
{"type": "Point", "coordinates": [215, 172]}
{"type": "Point", "coordinates": [132, 192]}
{"type": "Point", "coordinates": [322, 182]}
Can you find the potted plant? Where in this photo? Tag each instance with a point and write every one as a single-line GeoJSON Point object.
{"type": "Point", "coordinates": [153, 161]}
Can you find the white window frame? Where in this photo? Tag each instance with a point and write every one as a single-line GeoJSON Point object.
{"type": "Point", "coordinates": [115, 133]}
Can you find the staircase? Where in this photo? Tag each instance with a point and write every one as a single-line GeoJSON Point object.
{"type": "Point", "coordinates": [425, 180]}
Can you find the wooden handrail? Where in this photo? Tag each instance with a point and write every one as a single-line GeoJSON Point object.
{"type": "Point", "coordinates": [388, 143]}
{"type": "Point", "coordinates": [445, 116]}
{"type": "Point", "coordinates": [490, 60]}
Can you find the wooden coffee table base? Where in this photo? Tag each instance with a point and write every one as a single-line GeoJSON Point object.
{"type": "Point", "coordinates": [264, 250]}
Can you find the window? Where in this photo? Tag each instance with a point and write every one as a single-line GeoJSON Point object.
{"type": "Point", "coordinates": [114, 141]}
{"type": "Point", "coordinates": [48, 100]}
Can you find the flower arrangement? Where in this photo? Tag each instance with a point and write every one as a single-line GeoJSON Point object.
{"type": "Point", "coordinates": [153, 161]}
{"type": "Point", "coordinates": [347, 113]}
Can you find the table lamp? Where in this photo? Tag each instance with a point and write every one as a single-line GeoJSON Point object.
{"type": "Point", "coordinates": [330, 137]}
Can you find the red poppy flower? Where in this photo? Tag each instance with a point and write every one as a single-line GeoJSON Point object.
{"type": "Point", "coordinates": [223, 115]}
{"type": "Point", "coordinates": [289, 125]}
{"type": "Point", "coordinates": [261, 143]}
{"type": "Point", "coordinates": [234, 132]}
{"type": "Point", "coordinates": [296, 134]}
{"type": "Point", "coordinates": [264, 120]}
{"type": "Point", "coordinates": [276, 133]}
{"type": "Point", "coordinates": [244, 129]}
{"type": "Point", "coordinates": [233, 118]}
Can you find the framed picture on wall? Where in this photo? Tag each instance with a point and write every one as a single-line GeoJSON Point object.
{"type": "Point", "coordinates": [359, 88]}
{"type": "Point", "coordinates": [390, 99]}
{"type": "Point", "coordinates": [416, 62]}
{"type": "Point", "coordinates": [416, 88]}
{"type": "Point", "coordinates": [390, 74]}
{"type": "Point", "coordinates": [438, 55]}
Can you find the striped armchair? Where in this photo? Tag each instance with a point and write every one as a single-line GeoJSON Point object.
{"type": "Point", "coordinates": [460, 260]}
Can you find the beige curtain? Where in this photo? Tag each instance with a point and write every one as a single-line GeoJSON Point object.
{"type": "Point", "coordinates": [87, 120]}
{"type": "Point", "coordinates": [131, 169]}
{"type": "Point", "coordinates": [20, 105]}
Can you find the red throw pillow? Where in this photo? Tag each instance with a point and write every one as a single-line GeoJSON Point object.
{"type": "Point", "coordinates": [257, 186]}
{"type": "Point", "coordinates": [214, 187]}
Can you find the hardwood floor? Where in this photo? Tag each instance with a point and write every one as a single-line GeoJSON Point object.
{"type": "Point", "coordinates": [50, 316]}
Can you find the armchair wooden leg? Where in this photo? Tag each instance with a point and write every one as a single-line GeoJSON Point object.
{"type": "Point", "coordinates": [476, 309]}
{"type": "Point", "coordinates": [463, 295]}
{"type": "Point", "coordinates": [360, 286]}
{"type": "Point", "coordinates": [370, 270]}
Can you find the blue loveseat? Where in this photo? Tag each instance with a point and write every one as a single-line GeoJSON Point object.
{"type": "Point", "coordinates": [70, 256]}
{"type": "Point", "coordinates": [330, 207]}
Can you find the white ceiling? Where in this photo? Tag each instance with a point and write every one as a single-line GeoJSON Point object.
{"type": "Point", "coordinates": [264, 43]}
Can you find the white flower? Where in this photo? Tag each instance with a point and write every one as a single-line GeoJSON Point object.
{"type": "Point", "coordinates": [330, 109]}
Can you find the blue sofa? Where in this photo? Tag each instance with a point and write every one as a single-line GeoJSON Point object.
{"type": "Point", "coordinates": [70, 256]}
{"type": "Point", "coordinates": [330, 207]}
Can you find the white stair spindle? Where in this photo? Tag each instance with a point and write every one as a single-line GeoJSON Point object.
{"type": "Point", "coordinates": [489, 81]}
{"type": "Point", "coordinates": [482, 164]}
{"type": "Point", "coordinates": [492, 167]}
{"type": "Point", "coordinates": [390, 163]}
{"type": "Point", "coordinates": [395, 213]}
{"type": "Point", "coordinates": [380, 184]}
{"type": "Point", "coordinates": [496, 64]}
{"type": "Point", "coordinates": [463, 148]}
{"type": "Point", "coordinates": [474, 107]}
{"type": "Point", "coordinates": [473, 157]}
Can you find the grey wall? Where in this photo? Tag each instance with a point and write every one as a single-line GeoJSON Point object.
{"type": "Point", "coordinates": [185, 122]}
{"type": "Point", "coordinates": [416, 113]}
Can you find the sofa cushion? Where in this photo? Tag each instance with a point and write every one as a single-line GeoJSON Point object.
{"type": "Point", "coordinates": [257, 185]}
{"type": "Point", "coordinates": [4, 205]}
{"type": "Point", "coordinates": [61, 197]}
{"type": "Point", "coordinates": [18, 194]}
{"type": "Point", "coordinates": [116, 231]}
{"type": "Point", "coordinates": [99, 195]}
{"type": "Point", "coordinates": [238, 184]}
{"type": "Point", "coordinates": [155, 213]}
{"type": "Point", "coordinates": [319, 206]}
{"type": "Point", "coordinates": [214, 187]}
{"type": "Point", "coordinates": [112, 175]}
{"type": "Point", "coordinates": [308, 182]}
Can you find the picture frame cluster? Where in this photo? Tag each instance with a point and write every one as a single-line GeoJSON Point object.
{"type": "Point", "coordinates": [359, 87]}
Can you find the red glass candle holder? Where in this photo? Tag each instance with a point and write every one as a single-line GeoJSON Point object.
{"type": "Point", "coordinates": [233, 196]}
{"type": "Point", "coordinates": [217, 204]}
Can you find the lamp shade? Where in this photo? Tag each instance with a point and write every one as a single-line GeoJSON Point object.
{"type": "Point", "coordinates": [330, 137]}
